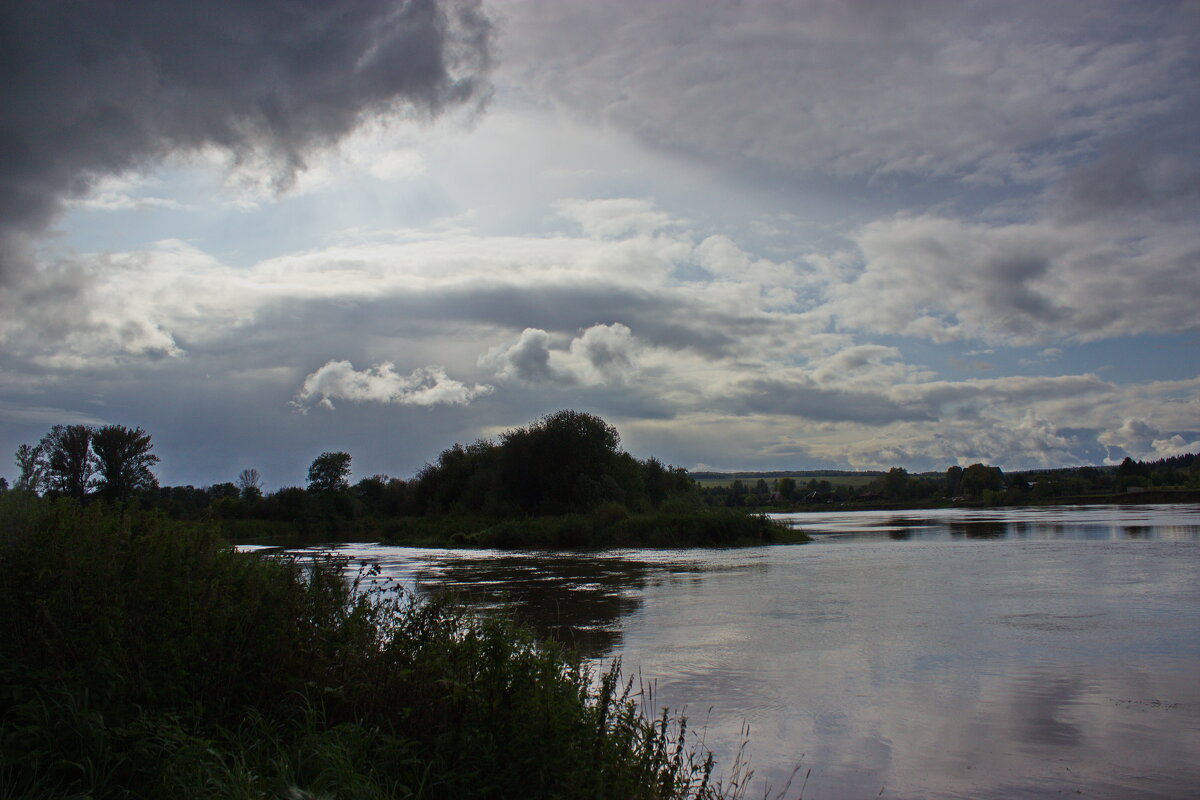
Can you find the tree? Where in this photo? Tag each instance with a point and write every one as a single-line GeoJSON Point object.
{"type": "Point", "coordinates": [894, 485]}
{"type": "Point", "coordinates": [66, 459]}
{"type": "Point", "coordinates": [762, 492]}
{"type": "Point", "coordinates": [123, 460]}
{"type": "Point", "coordinates": [978, 477]}
{"type": "Point", "coordinates": [330, 472]}
{"type": "Point", "coordinates": [249, 481]}
{"type": "Point", "coordinates": [29, 461]}
{"type": "Point", "coordinates": [954, 477]}
{"type": "Point", "coordinates": [558, 464]}
{"type": "Point", "coordinates": [655, 476]}
{"type": "Point", "coordinates": [222, 491]}
{"type": "Point", "coordinates": [786, 488]}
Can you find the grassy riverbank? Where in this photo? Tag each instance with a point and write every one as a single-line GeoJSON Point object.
{"type": "Point", "coordinates": [141, 657]}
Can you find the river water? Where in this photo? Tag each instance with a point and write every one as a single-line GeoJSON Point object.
{"type": "Point", "coordinates": [937, 654]}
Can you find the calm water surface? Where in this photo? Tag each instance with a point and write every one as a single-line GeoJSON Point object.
{"type": "Point", "coordinates": [939, 654]}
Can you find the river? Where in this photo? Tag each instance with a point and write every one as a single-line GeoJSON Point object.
{"type": "Point", "coordinates": [936, 654]}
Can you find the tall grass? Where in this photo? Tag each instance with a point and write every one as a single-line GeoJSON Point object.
{"type": "Point", "coordinates": [141, 657]}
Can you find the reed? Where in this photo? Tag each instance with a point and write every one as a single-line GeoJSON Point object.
{"type": "Point", "coordinates": [141, 657]}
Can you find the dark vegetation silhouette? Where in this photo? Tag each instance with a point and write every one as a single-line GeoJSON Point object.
{"type": "Point", "coordinates": [1166, 480]}
{"type": "Point", "coordinates": [561, 481]}
{"type": "Point", "coordinates": [66, 459]}
{"type": "Point", "coordinates": [122, 461]}
{"type": "Point", "coordinates": [111, 462]}
{"type": "Point", "coordinates": [143, 657]}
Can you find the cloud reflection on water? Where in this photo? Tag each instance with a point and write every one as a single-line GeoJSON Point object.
{"type": "Point", "coordinates": [944, 666]}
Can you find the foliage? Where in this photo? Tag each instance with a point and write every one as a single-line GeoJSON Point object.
{"type": "Point", "coordinates": [978, 478]}
{"type": "Point", "coordinates": [561, 481]}
{"type": "Point", "coordinates": [71, 459]}
{"type": "Point", "coordinates": [568, 461]}
{"type": "Point", "coordinates": [954, 477]}
{"type": "Point", "coordinates": [122, 460]}
{"type": "Point", "coordinates": [65, 459]}
{"type": "Point", "coordinates": [163, 663]}
{"type": "Point", "coordinates": [29, 462]}
{"type": "Point", "coordinates": [786, 488]}
{"type": "Point", "coordinates": [329, 472]}
{"type": "Point", "coordinates": [610, 525]}
{"type": "Point", "coordinates": [565, 463]}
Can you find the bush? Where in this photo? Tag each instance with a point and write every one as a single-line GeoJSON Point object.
{"type": "Point", "coordinates": [143, 658]}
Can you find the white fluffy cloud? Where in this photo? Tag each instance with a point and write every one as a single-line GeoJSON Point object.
{"type": "Point", "coordinates": [615, 218]}
{"type": "Point", "coordinates": [598, 317]}
{"type": "Point", "coordinates": [425, 386]}
{"type": "Point", "coordinates": [602, 354]}
{"type": "Point", "coordinates": [526, 359]}
{"type": "Point", "coordinates": [1138, 438]}
{"type": "Point", "coordinates": [946, 279]}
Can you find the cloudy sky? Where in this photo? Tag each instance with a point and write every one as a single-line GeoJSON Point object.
{"type": "Point", "coordinates": [752, 235]}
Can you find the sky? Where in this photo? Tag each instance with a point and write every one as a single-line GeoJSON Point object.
{"type": "Point", "coordinates": [751, 235]}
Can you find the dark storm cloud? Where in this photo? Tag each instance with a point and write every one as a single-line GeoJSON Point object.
{"type": "Point", "coordinates": [96, 88]}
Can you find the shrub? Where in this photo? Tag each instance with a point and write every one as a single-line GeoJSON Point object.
{"type": "Point", "coordinates": [143, 658]}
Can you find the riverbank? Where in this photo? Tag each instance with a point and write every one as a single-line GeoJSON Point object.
{"type": "Point", "coordinates": [1147, 497]}
{"type": "Point", "coordinates": [609, 526]}
{"type": "Point", "coordinates": [146, 657]}
{"type": "Point", "coordinates": [604, 528]}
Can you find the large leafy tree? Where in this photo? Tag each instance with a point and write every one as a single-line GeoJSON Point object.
{"type": "Point", "coordinates": [329, 472]}
{"type": "Point", "coordinates": [66, 461]}
{"type": "Point", "coordinates": [978, 478]}
{"type": "Point", "coordinates": [123, 460]}
{"type": "Point", "coordinates": [566, 461]}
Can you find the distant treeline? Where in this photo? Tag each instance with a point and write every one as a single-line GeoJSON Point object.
{"type": "Point", "coordinates": [562, 480]}
{"type": "Point", "coordinates": [976, 483]}
{"type": "Point", "coordinates": [776, 474]}
{"type": "Point", "coordinates": [567, 467]}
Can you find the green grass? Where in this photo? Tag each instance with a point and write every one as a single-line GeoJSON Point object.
{"type": "Point", "coordinates": [146, 658]}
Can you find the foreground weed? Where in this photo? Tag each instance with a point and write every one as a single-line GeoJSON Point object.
{"type": "Point", "coordinates": [141, 657]}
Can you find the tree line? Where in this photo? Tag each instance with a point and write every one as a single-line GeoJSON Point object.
{"type": "Point", "coordinates": [568, 462]}
{"type": "Point", "coordinates": [978, 482]}
{"type": "Point", "coordinates": [112, 462]}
